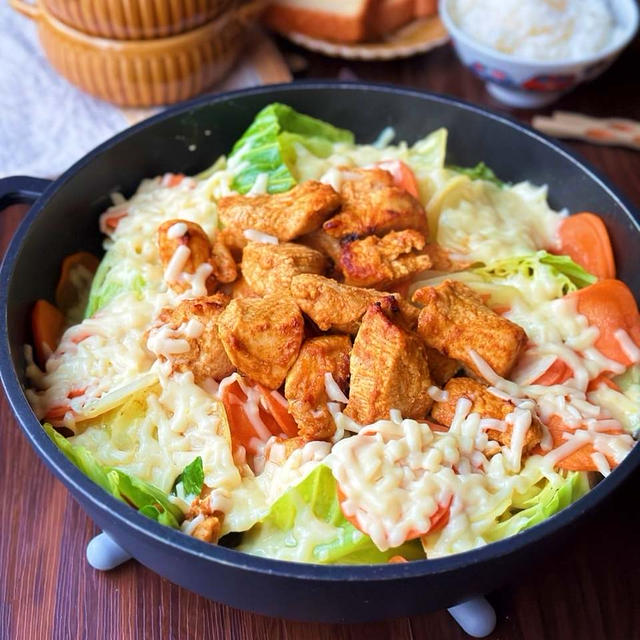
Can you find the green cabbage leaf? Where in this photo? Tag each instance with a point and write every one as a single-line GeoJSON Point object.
{"type": "Point", "coordinates": [538, 505]}
{"type": "Point", "coordinates": [563, 269]}
{"type": "Point", "coordinates": [110, 281]}
{"type": "Point", "coordinates": [480, 172]}
{"type": "Point", "coordinates": [269, 146]}
{"type": "Point", "coordinates": [306, 524]}
{"type": "Point", "coordinates": [148, 499]}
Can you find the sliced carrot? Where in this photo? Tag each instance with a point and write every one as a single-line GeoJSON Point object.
{"type": "Point", "coordinates": [47, 325]}
{"type": "Point", "coordinates": [579, 460]}
{"type": "Point", "coordinates": [57, 412]}
{"type": "Point", "coordinates": [172, 179]}
{"type": "Point", "coordinates": [438, 520]}
{"type": "Point", "coordinates": [584, 238]}
{"type": "Point", "coordinates": [603, 378]}
{"type": "Point", "coordinates": [397, 560]}
{"type": "Point", "coordinates": [279, 412]}
{"type": "Point", "coordinates": [243, 431]}
{"type": "Point", "coordinates": [402, 175]}
{"type": "Point", "coordinates": [67, 294]}
{"type": "Point", "coordinates": [109, 220]}
{"type": "Point", "coordinates": [557, 373]}
{"type": "Point", "coordinates": [609, 306]}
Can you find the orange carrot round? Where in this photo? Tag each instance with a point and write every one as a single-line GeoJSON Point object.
{"type": "Point", "coordinates": [557, 373]}
{"type": "Point", "coordinates": [402, 175]}
{"type": "Point", "coordinates": [47, 325]}
{"type": "Point", "coordinates": [438, 520]}
{"type": "Point", "coordinates": [609, 305]}
{"type": "Point", "coordinates": [66, 295]}
{"type": "Point", "coordinates": [243, 431]}
{"type": "Point", "coordinates": [584, 238]}
{"type": "Point", "coordinates": [579, 460]}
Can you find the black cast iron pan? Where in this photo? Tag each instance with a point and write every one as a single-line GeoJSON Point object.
{"type": "Point", "coordinates": [187, 138]}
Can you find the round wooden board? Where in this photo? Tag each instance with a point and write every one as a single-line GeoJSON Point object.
{"type": "Point", "coordinates": [414, 38]}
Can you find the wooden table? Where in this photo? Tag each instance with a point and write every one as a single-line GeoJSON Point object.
{"type": "Point", "coordinates": [588, 589]}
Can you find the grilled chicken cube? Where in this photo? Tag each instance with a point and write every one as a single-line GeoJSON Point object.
{"type": "Point", "coordinates": [389, 368]}
{"type": "Point", "coordinates": [234, 240]}
{"type": "Point", "coordinates": [208, 529]}
{"type": "Point", "coordinates": [305, 387]}
{"type": "Point", "coordinates": [324, 243]}
{"type": "Point", "coordinates": [340, 307]}
{"type": "Point", "coordinates": [284, 215]}
{"type": "Point", "coordinates": [487, 405]}
{"type": "Point", "coordinates": [173, 234]}
{"type": "Point", "coordinates": [187, 337]}
{"type": "Point", "coordinates": [454, 321]}
{"type": "Point", "coordinates": [269, 268]}
{"type": "Point", "coordinates": [241, 289]}
{"type": "Point", "coordinates": [224, 266]}
{"type": "Point", "coordinates": [373, 204]}
{"type": "Point", "coordinates": [441, 368]}
{"type": "Point", "coordinates": [378, 262]}
{"type": "Point", "coordinates": [262, 337]}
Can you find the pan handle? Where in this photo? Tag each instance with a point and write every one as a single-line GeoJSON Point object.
{"type": "Point", "coordinates": [17, 189]}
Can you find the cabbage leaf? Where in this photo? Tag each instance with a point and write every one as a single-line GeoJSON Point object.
{"type": "Point", "coordinates": [570, 275]}
{"type": "Point", "coordinates": [268, 146]}
{"type": "Point", "coordinates": [549, 499]}
{"type": "Point", "coordinates": [306, 524]}
{"type": "Point", "coordinates": [147, 498]}
{"type": "Point", "coordinates": [624, 405]}
{"type": "Point", "coordinates": [110, 282]}
{"type": "Point", "coordinates": [480, 172]}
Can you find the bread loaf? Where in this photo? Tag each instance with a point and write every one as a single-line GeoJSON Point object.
{"type": "Point", "coordinates": [345, 20]}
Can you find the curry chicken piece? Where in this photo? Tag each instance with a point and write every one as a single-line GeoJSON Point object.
{"type": "Point", "coordinates": [373, 204]}
{"type": "Point", "coordinates": [284, 215]}
{"type": "Point", "coordinates": [224, 265]}
{"type": "Point", "coordinates": [305, 385]}
{"type": "Point", "coordinates": [378, 262]}
{"type": "Point", "coordinates": [175, 233]}
{"type": "Point", "coordinates": [324, 243]}
{"type": "Point", "coordinates": [196, 322]}
{"type": "Point", "coordinates": [441, 368]}
{"type": "Point", "coordinates": [208, 530]}
{"type": "Point", "coordinates": [269, 268]}
{"type": "Point", "coordinates": [262, 337]}
{"type": "Point", "coordinates": [484, 403]}
{"type": "Point", "coordinates": [454, 321]}
{"type": "Point", "coordinates": [233, 240]}
{"type": "Point", "coordinates": [334, 306]}
{"type": "Point", "coordinates": [389, 368]}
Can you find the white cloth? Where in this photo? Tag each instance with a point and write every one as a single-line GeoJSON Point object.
{"type": "Point", "coordinates": [46, 123]}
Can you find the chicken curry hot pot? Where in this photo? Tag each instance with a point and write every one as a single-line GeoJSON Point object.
{"type": "Point", "coordinates": [376, 347]}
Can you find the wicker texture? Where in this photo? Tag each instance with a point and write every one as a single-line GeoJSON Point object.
{"type": "Point", "coordinates": [147, 72]}
{"type": "Point", "coordinates": [136, 19]}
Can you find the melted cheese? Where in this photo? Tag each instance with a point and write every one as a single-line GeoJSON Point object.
{"type": "Point", "coordinates": [480, 221]}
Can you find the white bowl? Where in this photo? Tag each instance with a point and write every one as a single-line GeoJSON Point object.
{"type": "Point", "coordinates": [528, 83]}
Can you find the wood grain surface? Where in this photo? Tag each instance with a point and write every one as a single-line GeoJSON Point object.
{"type": "Point", "coordinates": [587, 589]}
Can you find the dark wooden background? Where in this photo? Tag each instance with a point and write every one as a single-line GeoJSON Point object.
{"type": "Point", "coordinates": [587, 589]}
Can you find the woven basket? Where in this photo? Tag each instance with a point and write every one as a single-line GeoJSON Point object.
{"type": "Point", "coordinates": [142, 73]}
{"type": "Point", "coordinates": [136, 19]}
